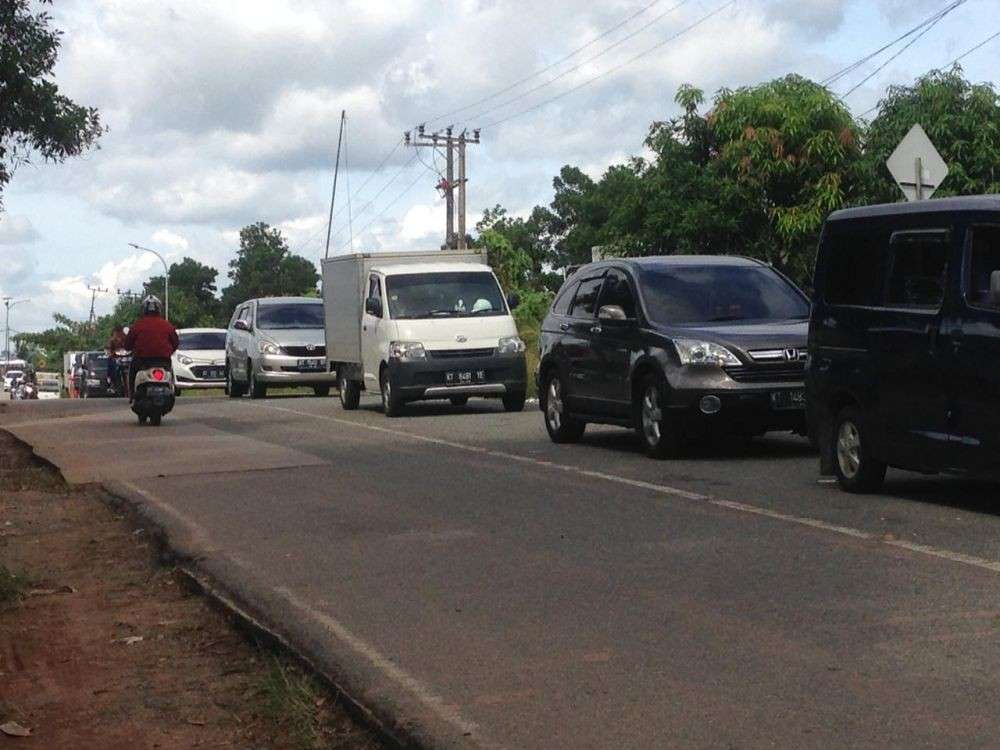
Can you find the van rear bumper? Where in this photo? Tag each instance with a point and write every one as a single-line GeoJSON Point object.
{"type": "Point", "coordinates": [491, 376]}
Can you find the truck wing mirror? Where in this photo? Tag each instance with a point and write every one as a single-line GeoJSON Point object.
{"type": "Point", "coordinates": [513, 300]}
{"type": "Point", "coordinates": [373, 306]}
{"type": "Point", "coordinates": [995, 288]}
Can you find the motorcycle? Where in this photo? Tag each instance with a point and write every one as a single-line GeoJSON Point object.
{"type": "Point", "coordinates": [118, 385]}
{"type": "Point", "coordinates": [27, 391]}
{"type": "Point", "coordinates": [154, 393]}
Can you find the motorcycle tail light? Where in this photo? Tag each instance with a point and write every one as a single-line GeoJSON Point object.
{"type": "Point", "coordinates": [159, 374]}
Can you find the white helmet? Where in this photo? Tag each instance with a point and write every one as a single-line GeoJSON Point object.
{"type": "Point", "coordinates": [151, 304]}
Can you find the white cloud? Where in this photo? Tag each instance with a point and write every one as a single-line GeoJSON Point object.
{"type": "Point", "coordinates": [16, 230]}
{"type": "Point", "coordinates": [422, 221]}
{"type": "Point", "coordinates": [165, 237]}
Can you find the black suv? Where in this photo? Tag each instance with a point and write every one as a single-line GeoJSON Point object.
{"type": "Point", "coordinates": [675, 347]}
{"type": "Point", "coordinates": [905, 340]}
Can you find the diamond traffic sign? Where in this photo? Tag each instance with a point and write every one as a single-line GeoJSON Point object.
{"type": "Point", "coordinates": [916, 165]}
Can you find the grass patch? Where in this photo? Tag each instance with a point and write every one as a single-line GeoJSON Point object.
{"type": "Point", "coordinates": [530, 333]}
{"type": "Point", "coordinates": [295, 701]}
{"type": "Point", "coordinates": [12, 586]}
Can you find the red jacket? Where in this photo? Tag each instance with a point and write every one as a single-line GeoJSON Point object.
{"type": "Point", "coordinates": [152, 337]}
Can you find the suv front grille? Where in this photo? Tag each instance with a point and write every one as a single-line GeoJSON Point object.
{"type": "Point", "coordinates": [786, 372]}
{"type": "Point", "coordinates": [459, 353]}
{"type": "Point", "coordinates": [304, 351]}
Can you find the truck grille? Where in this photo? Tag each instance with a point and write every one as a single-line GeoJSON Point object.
{"type": "Point", "coordinates": [304, 351]}
{"type": "Point", "coordinates": [787, 372]}
{"type": "Point", "coordinates": [459, 353]}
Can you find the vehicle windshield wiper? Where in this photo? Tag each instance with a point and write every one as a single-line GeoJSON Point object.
{"type": "Point", "coordinates": [725, 318]}
{"type": "Point", "coordinates": [449, 313]}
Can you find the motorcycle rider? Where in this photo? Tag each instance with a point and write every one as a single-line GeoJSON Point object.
{"type": "Point", "coordinates": [151, 339]}
{"type": "Point", "coordinates": [114, 345]}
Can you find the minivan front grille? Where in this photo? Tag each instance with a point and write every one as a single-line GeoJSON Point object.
{"type": "Point", "coordinates": [304, 351]}
{"type": "Point", "coordinates": [788, 372]}
{"type": "Point", "coordinates": [460, 353]}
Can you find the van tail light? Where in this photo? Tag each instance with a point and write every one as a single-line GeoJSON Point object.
{"type": "Point", "coordinates": [159, 374]}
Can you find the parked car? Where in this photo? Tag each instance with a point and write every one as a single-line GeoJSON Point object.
{"type": "Point", "coordinates": [415, 326]}
{"type": "Point", "coordinates": [10, 377]}
{"type": "Point", "coordinates": [94, 375]}
{"type": "Point", "coordinates": [905, 340]}
{"type": "Point", "coordinates": [200, 361]}
{"type": "Point", "coordinates": [276, 341]}
{"type": "Point", "coordinates": [675, 347]}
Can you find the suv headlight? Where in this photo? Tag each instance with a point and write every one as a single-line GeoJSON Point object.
{"type": "Point", "coordinates": [406, 350]}
{"type": "Point", "coordinates": [185, 360]}
{"type": "Point", "coordinates": [704, 353]}
{"type": "Point", "coordinates": [269, 347]}
{"type": "Point", "coordinates": [511, 345]}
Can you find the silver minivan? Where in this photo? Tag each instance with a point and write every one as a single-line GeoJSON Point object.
{"type": "Point", "coordinates": [277, 341]}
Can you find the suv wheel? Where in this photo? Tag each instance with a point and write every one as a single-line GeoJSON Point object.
{"type": "Point", "coordinates": [561, 426]}
{"type": "Point", "coordinates": [257, 389]}
{"type": "Point", "coordinates": [660, 436]}
{"type": "Point", "coordinates": [392, 404]}
{"type": "Point", "coordinates": [856, 469]}
{"type": "Point", "coordinates": [350, 392]}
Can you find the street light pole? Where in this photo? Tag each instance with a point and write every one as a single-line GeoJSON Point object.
{"type": "Point", "coordinates": [166, 278]}
{"type": "Point", "coordinates": [8, 302]}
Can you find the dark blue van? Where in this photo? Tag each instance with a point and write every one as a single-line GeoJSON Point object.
{"type": "Point", "coordinates": [904, 341]}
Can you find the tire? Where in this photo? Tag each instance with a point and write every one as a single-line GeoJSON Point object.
{"type": "Point", "coordinates": [257, 389]}
{"type": "Point", "coordinates": [660, 435]}
{"type": "Point", "coordinates": [321, 391]}
{"type": "Point", "coordinates": [143, 419]}
{"type": "Point", "coordinates": [514, 402]}
{"type": "Point", "coordinates": [561, 426]}
{"type": "Point", "coordinates": [350, 393]}
{"type": "Point", "coordinates": [392, 404]}
{"type": "Point", "coordinates": [233, 389]}
{"type": "Point", "coordinates": [459, 400]}
{"type": "Point", "coordinates": [856, 469]}
{"type": "Point", "coordinates": [155, 419]}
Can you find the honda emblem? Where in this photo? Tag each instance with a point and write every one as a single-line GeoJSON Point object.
{"type": "Point", "coordinates": [792, 355]}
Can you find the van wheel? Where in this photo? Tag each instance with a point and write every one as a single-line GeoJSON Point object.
{"type": "Point", "coordinates": [321, 390]}
{"type": "Point", "coordinates": [561, 426]}
{"type": "Point", "coordinates": [350, 392]}
{"type": "Point", "coordinates": [857, 470]}
{"type": "Point", "coordinates": [257, 389]}
{"type": "Point", "coordinates": [233, 389]}
{"type": "Point", "coordinates": [392, 404]}
{"type": "Point", "coordinates": [514, 401]}
{"type": "Point", "coordinates": [661, 436]}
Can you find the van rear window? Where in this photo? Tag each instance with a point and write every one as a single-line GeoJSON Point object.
{"type": "Point", "coordinates": [919, 268]}
{"type": "Point", "coordinates": [855, 270]}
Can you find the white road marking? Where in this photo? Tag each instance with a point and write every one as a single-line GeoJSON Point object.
{"type": "Point", "coordinates": [662, 489]}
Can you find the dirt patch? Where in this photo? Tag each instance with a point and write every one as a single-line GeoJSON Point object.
{"type": "Point", "coordinates": [102, 647]}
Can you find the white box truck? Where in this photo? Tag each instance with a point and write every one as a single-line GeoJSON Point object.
{"type": "Point", "coordinates": [421, 325]}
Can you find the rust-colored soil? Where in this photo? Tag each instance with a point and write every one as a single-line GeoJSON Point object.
{"type": "Point", "coordinates": [70, 674]}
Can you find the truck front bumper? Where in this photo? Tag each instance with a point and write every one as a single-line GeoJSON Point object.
{"type": "Point", "coordinates": [489, 376]}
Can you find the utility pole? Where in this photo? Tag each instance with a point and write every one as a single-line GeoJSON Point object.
{"type": "Point", "coordinates": [94, 291]}
{"type": "Point", "coordinates": [454, 146]}
{"type": "Point", "coordinates": [8, 302]}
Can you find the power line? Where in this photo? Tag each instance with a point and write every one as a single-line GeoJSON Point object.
{"type": "Point", "coordinates": [579, 65]}
{"type": "Point", "coordinates": [390, 204]}
{"type": "Point", "coordinates": [616, 68]}
{"type": "Point", "coordinates": [933, 18]}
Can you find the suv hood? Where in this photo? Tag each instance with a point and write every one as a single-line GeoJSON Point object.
{"type": "Point", "coordinates": [748, 335]}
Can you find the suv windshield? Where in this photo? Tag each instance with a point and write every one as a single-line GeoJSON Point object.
{"type": "Point", "coordinates": [449, 294]}
{"type": "Point", "coordinates": [277, 316]}
{"type": "Point", "coordinates": [676, 295]}
{"type": "Point", "coordinates": [203, 340]}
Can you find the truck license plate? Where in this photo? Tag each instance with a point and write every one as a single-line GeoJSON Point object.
{"type": "Point", "coordinates": [312, 365]}
{"type": "Point", "coordinates": [464, 377]}
{"type": "Point", "coordinates": [783, 400]}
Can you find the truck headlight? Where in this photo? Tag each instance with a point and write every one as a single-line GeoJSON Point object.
{"type": "Point", "coordinates": [692, 352]}
{"type": "Point", "coordinates": [511, 345]}
{"type": "Point", "coordinates": [185, 360]}
{"type": "Point", "coordinates": [268, 347]}
{"type": "Point", "coordinates": [407, 350]}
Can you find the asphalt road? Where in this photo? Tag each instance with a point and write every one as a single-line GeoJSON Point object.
{"type": "Point", "coordinates": [492, 589]}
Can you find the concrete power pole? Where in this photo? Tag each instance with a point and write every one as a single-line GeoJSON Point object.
{"type": "Point", "coordinates": [454, 151]}
{"type": "Point", "coordinates": [8, 302]}
{"type": "Point", "coordinates": [94, 291]}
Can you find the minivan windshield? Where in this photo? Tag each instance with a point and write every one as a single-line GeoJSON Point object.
{"type": "Point", "coordinates": [678, 295]}
{"type": "Point", "coordinates": [445, 294]}
{"type": "Point", "coordinates": [279, 316]}
{"type": "Point", "coordinates": [203, 340]}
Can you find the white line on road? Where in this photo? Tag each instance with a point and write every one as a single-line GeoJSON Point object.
{"type": "Point", "coordinates": [662, 489]}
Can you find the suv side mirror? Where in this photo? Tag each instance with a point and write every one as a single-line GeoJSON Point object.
{"type": "Point", "coordinates": [373, 306]}
{"type": "Point", "coordinates": [513, 300]}
{"type": "Point", "coordinates": [241, 325]}
{"type": "Point", "coordinates": [995, 288]}
{"type": "Point", "coordinates": [612, 313]}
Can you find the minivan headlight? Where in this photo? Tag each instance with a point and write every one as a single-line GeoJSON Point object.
{"type": "Point", "coordinates": [692, 352]}
{"type": "Point", "coordinates": [269, 347]}
{"type": "Point", "coordinates": [511, 345]}
{"type": "Point", "coordinates": [406, 350]}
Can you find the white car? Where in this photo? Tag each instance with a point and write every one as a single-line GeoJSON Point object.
{"type": "Point", "coordinates": [200, 361]}
{"type": "Point", "coordinates": [9, 377]}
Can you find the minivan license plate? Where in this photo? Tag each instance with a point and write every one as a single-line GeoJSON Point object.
{"type": "Point", "coordinates": [464, 377]}
{"type": "Point", "coordinates": [311, 365]}
{"type": "Point", "coordinates": [788, 399]}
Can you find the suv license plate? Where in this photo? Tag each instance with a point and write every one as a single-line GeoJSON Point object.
{"type": "Point", "coordinates": [464, 377]}
{"type": "Point", "coordinates": [312, 365]}
{"type": "Point", "coordinates": [783, 400]}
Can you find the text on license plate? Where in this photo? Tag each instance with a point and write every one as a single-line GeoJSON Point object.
{"type": "Point", "coordinates": [464, 377]}
{"type": "Point", "coordinates": [788, 399]}
{"type": "Point", "coordinates": [312, 364]}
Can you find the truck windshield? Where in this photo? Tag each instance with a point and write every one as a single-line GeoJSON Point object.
{"type": "Point", "coordinates": [279, 317]}
{"type": "Point", "coordinates": [446, 294]}
{"type": "Point", "coordinates": [203, 340]}
{"type": "Point", "coordinates": [677, 295]}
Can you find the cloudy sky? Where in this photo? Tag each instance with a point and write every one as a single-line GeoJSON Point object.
{"type": "Point", "coordinates": [221, 113]}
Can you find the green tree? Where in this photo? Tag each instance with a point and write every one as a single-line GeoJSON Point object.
{"type": "Point", "coordinates": [193, 300]}
{"type": "Point", "coordinates": [34, 116]}
{"type": "Point", "coordinates": [961, 118]}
